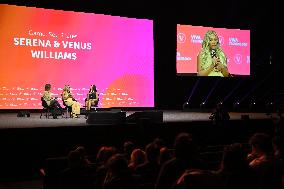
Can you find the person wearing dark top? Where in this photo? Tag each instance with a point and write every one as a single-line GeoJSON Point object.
{"type": "Point", "coordinates": [51, 101]}
{"type": "Point", "coordinates": [234, 173]}
{"type": "Point", "coordinates": [185, 158]}
{"type": "Point", "coordinates": [118, 175]}
{"type": "Point", "coordinates": [77, 175]}
{"type": "Point", "coordinates": [104, 154]}
{"type": "Point", "coordinates": [165, 155]}
{"type": "Point", "coordinates": [92, 97]}
{"type": "Point", "coordinates": [234, 170]}
{"type": "Point", "coordinates": [220, 115]}
{"type": "Point", "coordinates": [128, 148]}
{"type": "Point", "coordinates": [150, 169]}
{"type": "Point", "coordinates": [262, 161]}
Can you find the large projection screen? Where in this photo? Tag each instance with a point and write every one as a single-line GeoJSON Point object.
{"type": "Point", "coordinates": [40, 46]}
{"type": "Point", "coordinates": [235, 44]}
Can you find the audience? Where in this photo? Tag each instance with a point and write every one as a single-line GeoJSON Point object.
{"type": "Point", "coordinates": [83, 153]}
{"type": "Point", "coordinates": [150, 169]}
{"type": "Point", "coordinates": [262, 161]}
{"type": "Point", "coordinates": [160, 143]}
{"type": "Point", "coordinates": [138, 157]}
{"type": "Point", "coordinates": [77, 175]}
{"type": "Point", "coordinates": [118, 174]}
{"type": "Point", "coordinates": [234, 169]}
{"type": "Point", "coordinates": [158, 168]}
{"type": "Point", "coordinates": [234, 173]}
{"type": "Point", "coordinates": [128, 147]}
{"type": "Point", "coordinates": [165, 155]}
{"type": "Point", "coordinates": [185, 158]}
{"type": "Point", "coordinates": [104, 154]}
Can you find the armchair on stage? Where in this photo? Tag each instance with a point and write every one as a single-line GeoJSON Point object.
{"type": "Point", "coordinates": [68, 109]}
{"type": "Point", "coordinates": [50, 110]}
{"type": "Point", "coordinates": [46, 109]}
{"type": "Point", "coordinates": [91, 102]}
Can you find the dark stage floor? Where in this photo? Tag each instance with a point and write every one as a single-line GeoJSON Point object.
{"type": "Point", "coordinates": [10, 120]}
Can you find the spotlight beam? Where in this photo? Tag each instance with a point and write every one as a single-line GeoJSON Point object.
{"type": "Point", "coordinates": [193, 90]}
{"type": "Point", "coordinates": [231, 92]}
{"type": "Point", "coordinates": [212, 89]}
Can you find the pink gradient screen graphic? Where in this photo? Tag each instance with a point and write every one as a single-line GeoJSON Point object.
{"type": "Point", "coordinates": [234, 42]}
{"type": "Point", "coordinates": [39, 46]}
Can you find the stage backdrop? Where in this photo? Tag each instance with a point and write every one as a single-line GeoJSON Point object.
{"type": "Point", "coordinates": [234, 42]}
{"type": "Point", "coordinates": [39, 46]}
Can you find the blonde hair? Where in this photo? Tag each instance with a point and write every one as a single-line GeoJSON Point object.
{"type": "Point", "coordinates": [66, 88]}
{"type": "Point", "coordinates": [206, 48]}
{"type": "Point", "coordinates": [205, 43]}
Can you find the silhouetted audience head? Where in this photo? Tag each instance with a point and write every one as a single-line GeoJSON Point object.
{"type": "Point", "coordinates": [185, 147]}
{"type": "Point", "coordinates": [82, 150]}
{"type": "Point", "coordinates": [234, 158]}
{"type": "Point", "coordinates": [75, 159]}
{"type": "Point", "coordinates": [104, 154]}
{"type": "Point", "coordinates": [260, 143]}
{"type": "Point", "coordinates": [160, 143]}
{"type": "Point", "coordinates": [138, 157]}
{"type": "Point", "coordinates": [267, 167]}
{"type": "Point", "coordinates": [117, 164]}
{"type": "Point", "coordinates": [77, 175]}
{"type": "Point", "coordinates": [165, 155]}
{"type": "Point", "coordinates": [152, 152]}
{"type": "Point", "coordinates": [118, 175]}
{"type": "Point", "coordinates": [128, 147]}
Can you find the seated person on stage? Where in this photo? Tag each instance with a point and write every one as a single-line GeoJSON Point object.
{"type": "Point", "coordinates": [51, 101]}
{"type": "Point", "coordinates": [69, 100]}
{"type": "Point", "coordinates": [92, 97]}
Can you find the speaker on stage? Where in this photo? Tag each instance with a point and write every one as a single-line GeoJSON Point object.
{"type": "Point", "coordinates": [106, 117]}
{"type": "Point", "coordinates": [153, 116]}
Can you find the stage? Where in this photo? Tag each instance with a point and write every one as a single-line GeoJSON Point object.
{"type": "Point", "coordinates": [10, 120]}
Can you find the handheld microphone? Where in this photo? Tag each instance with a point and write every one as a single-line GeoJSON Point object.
{"type": "Point", "coordinates": [213, 53]}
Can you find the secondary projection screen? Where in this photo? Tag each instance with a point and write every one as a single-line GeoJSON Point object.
{"type": "Point", "coordinates": [234, 44]}
{"type": "Point", "coordinates": [39, 46]}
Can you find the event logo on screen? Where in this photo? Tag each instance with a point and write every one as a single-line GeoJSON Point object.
{"type": "Point", "coordinates": [235, 42]}
{"type": "Point", "coordinates": [181, 38]}
{"type": "Point", "coordinates": [196, 38]}
{"type": "Point", "coordinates": [238, 58]}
